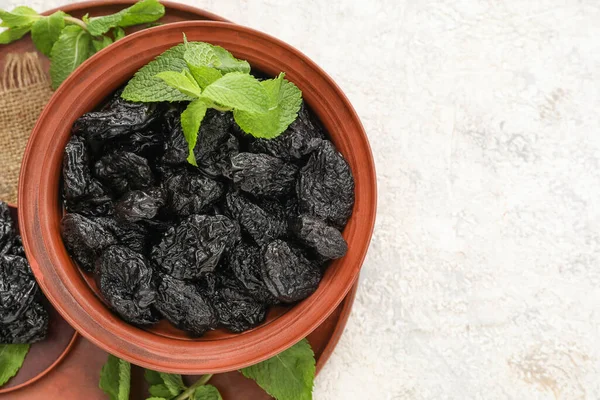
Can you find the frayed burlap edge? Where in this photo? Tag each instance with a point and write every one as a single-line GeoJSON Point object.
{"type": "Point", "coordinates": [24, 91]}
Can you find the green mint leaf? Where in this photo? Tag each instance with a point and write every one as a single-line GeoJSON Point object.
{"type": "Point", "coordinates": [181, 81]}
{"type": "Point", "coordinates": [146, 87]}
{"type": "Point", "coordinates": [46, 31]}
{"type": "Point", "coordinates": [118, 33]}
{"type": "Point", "coordinates": [239, 91]}
{"type": "Point", "coordinates": [287, 376]}
{"type": "Point", "coordinates": [228, 63]}
{"type": "Point", "coordinates": [164, 385]}
{"type": "Point", "coordinates": [19, 17]}
{"type": "Point", "coordinates": [11, 360]}
{"type": "Point", "coordinates": [191, 118]}
{"type": "Point", "coordinates": [142, 12]}
{"type": "Point", "coordinates": [12, 34]}
{"type": "Point", "coordinates": [70, 50]}
{"type": "Point", "coordinates": [285, 100]}
{"type": "Point", "coordinates": [101, 43]}
{"type": "Point", "coordinates": [204, 75]}
{"type": "Point", "coordinates": [139, 13]}
{"type": "Point", "coordinates": [200, 54]}
{"type": "Point", "coordinates": [115, 378]}
{"type": "Point", "coordinates": [206, 392]}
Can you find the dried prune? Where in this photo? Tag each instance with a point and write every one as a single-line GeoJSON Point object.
{"type": "Point", "coordinates": [191, 193]}
{"type": "Point", "coordinates": [7, 232]}
{"type": "Point", "coordinates": [217, 163]}
{"type": "Point", "coordinates": [237, 311]}
{"type": "Point", "coordinates": [288, 275]}
{"type": "Point", "coordinates": [325, 240]}
{"type": "Point", "coordinates": [263, 175]}
{"type": "Point", "coordinates": [325, 186]}
{"type": "Point", "coordinates": [78, 182]}
{"type": "Point", "coordinates": [132, 235]}
{"type": "Point", "coordinates": [31, 327]}
{"type": "Point", "coordinates": [301, 138]}
{"type": "Point", "coordinates": [17, 248]}
{"type": "Point", "coordinates": [91, 208]}
{"type": "Point", "coordinates": [18, 288]}
{"type": "Point", "coordinates": [140, 205]}
{"type": "Point", "coordinates": [125, 281]}
{"type": "Point", "coordinates": [144, 143]}
{"type": "Point", "coordinates": [119, 118]}
{"type": "Point", "coordinates": [123, 171]}
{"type": "Point", "coordinates": [85, 239]}
{"type": "Point", "coordinates": [195, 246]}
{"type": "Point", "coordinates": [244, 267]}
{"type": "Point", "coordinates": [263, 226]}
{"type": "Point", "coordinates": [184, 306]}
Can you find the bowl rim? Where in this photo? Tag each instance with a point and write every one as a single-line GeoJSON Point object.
{"type": "Point", "coordinates": [145, 350]}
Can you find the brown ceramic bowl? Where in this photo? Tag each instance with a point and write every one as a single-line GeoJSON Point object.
{"type": "Point", "coordinates": [164, 348]}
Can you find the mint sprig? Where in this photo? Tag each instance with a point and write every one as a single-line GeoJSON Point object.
{"type": "Point", "coordinates": [69, 41]}
{"type": "Point", "coordinates": [287, 376]}
{"type": "Point", "coordinates": [209, 76]}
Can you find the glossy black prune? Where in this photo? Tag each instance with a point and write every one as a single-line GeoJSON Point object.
{"type": "Point", "coordinates": [195, 246]}
{"type": "Point", "coordinates": [117, 119]}
{"type": "Point", "coordinates": [129, 234]}
{"type": "Point", "coordinates": [323, 239]}
{"type": "Point", "coordinates": [217, 163]}
{"type": "Point", "coordinates": [191, 193]}
{"type": "Point", "coordinates": [31, 327]}
{"type": "Point", "coordinates": [262, 224]}
{"type": "Point", "coordinates": [78, 182]}
{"type": "Point", "coordinates": [325, 186]}
{"type": "Point", "coordinates": [236, 310]}
{"type": "Point", "coordinates": [139, 205]}
{"type": "Point", "coordinates": [7, 232]}
{"type": "Point", "coordinates": [18, 288]}
{"type": "Point", "coordinates": [185, 306]}
{"type": "Point", "coordinates": [91, 208]}
{"type": "Point", "coordinates": [125, 280]}
{"type": "Point", "coordinates": [263, 175]}
{"type": "Point", "coordinates": [85, 239]}
{"type": "Point", "coordinates": [123, 171]}
{"type": "Point", "coordinates": [301, 138]}
{"type": "Point", "coordinates": [244, 267]}
{"type": "Point", "coordinates": [288, 275]}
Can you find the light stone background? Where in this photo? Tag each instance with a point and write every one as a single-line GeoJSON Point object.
{"type": "Point", "coordinates": [482, 281]}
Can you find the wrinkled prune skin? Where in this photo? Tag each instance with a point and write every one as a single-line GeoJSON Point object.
{"type": "Point", "coordinates": [7, 232]}
{"type": "Point", "coordinates": [78, 182]}
{"type": "Point", "coordinates": [123, 171]}
{"type": "Point", "coordinates": [117, 119]}
{"type": "Point", "coordinates": [91, 208]}
{"type": "Point", "coordinates": [139, 205]}
{"type": "Point", "coordinates": [175, 146]}
{"type": "Point", "coordinates": [192, 193]}
{"type": "Point", "coordinates": [145, 143]}
{"type": "Point", "coordinates": [31, 327]}
{"type": "Point", "coordinates": [218, 163]}
{"type": "Point", "coordinates": [301, 138]}
{"type": "Point", "coordinates": [325, 186]}
{"type": "Point", "coordinates": [244, 267]}
{"type": "Point", "coordinates": [85, 239]}
{"type": "Point", "coordinates": [325, 240]}
{"type": "Point", "coordinates": [125, 281]}
{"type": "Point", "coordinates": [236, 310]}
{"type": "Point", "coordinates": [132, 235]}
{"type": "Point", "coordinates": [17, 248]}
{"type": "Point", "coordinates": [262, 224]}
{"type": "Point", "coordinates": [184, 306]}
{"type": "Point", "coordinates": [195, 246]}
{"type": "Point", "coordinates": [288, 275]}
{"type": "Point", "coordinates": [18, 288]}
{"type": "Point", "coordinates": [263, 175]}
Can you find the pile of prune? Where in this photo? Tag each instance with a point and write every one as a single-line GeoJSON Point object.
{"type": "Point", "coordinates": [23, 319]}
{"type": "Point", "coordinates": [252, 226]}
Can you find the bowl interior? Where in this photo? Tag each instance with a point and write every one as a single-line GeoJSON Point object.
{"type": "Point", "coordinates": [41, 207]}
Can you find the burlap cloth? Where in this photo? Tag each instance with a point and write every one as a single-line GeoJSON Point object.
{"type": "Point", "coordinates": [24, 90]}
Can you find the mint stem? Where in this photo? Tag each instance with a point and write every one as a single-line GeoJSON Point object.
{"type": "Point", "coordinates": [190, 391]}
{"type": "Point", "coordinates": [76, 21]}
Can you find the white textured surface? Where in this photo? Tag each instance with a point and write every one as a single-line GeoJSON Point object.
{"type": "Point", "coordinates": [483, 279]}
